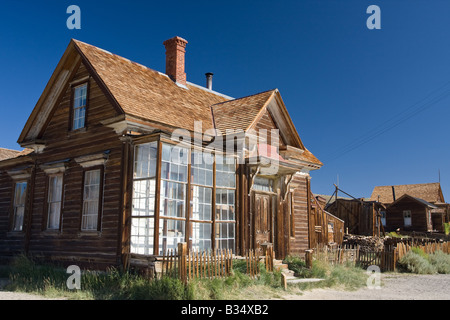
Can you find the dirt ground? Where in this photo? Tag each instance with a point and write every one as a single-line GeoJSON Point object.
{"type": "Point", "coordinates": [393, 287]}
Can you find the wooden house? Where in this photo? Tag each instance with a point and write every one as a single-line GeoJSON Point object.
{"type": "Point", "coordinates": [408, 213]}
{"type": "Point", "coordinates": [424, 198]}
{"type": "Point", "coordinates": [123, 162]}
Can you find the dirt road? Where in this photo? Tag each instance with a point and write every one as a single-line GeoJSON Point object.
{"type": "Point", "coordinates": [393, 287]}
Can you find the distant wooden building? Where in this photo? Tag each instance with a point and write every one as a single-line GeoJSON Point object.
{"type": "Point", "coordinates": [360, 217]}
{"type": "Point", "coordinates": [422, 198]}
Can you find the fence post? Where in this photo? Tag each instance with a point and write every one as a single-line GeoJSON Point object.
{"type": "Point", "coordinates": [182, 252]}
{"type": "Point", "coordinates": [308, 258]}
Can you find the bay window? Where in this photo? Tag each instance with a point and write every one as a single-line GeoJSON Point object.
{"type": "Point", "coordinates": [174, 196]}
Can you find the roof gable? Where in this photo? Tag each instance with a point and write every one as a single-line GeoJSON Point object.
{"type": "Point", "coordinates": [415, 199]}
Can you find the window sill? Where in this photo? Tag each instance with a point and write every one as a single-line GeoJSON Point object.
{"type": "Point", "coordinates": [15, 234]}
{"type": "Point", "coordinates": [88, 233]}
{"type": "Point", "coordinates": [71, 133]}
{"type": "Point", "coordinates": [50, 232]}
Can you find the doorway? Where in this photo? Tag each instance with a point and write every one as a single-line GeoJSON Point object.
{"type": "Point", "coordinates": [262, 219]}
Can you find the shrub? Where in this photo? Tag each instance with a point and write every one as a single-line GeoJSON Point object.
{"type": "Point", "coordinates": [415, 263]}
{"type": "Point", "coordinates": [447, 228]}
{"type": "Point", "coordinates": [440, 261]}
{"type": "Point", "coordinates": [298, 265]}
{"type": "Point", "coordinates": [420, 252]}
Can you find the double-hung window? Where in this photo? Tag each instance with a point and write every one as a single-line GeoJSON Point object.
{"type": "Point", "coordinates": [92, 189]}
{"type": "Point", "coordinates": [20, 195]}
{"type": "Point", "coordinates": [407, 218]}
{"type": "Point", "coordinates": [54, 201]}
{"type": "Point", "coordinates": [79, 107]}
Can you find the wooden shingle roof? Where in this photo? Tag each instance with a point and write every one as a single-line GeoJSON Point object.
{"type": "Point", "coordinates": [149, 94]}
{"type": "Point", "coordinates": [239, 114]}
{"type": "Point", "coordinates": [8, 154]}
{"type": "Point", "coordinates": [144, 97]}
{"type": "Point", "coordinates": [430, 192]}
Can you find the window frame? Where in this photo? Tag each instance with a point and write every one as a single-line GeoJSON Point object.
{"type": "Point", "coordinates": [47, 203]}
{"type": "Point", "coordinates": [13, 207]}
{"type": "Point", "coordinates": [187, 219]}
{"type": "Point", "coordinates": [217, 221]}
{"type": "Point", "coordinates": [185, 214]}
{"type": "Point", "coordinates": [405, 217]}
{"type": "Point", "coordinates": [149, 218]}
{"type": "Point", "coordinates": [100, 198]}
{"type": "Point", "coordinates": [74, 86]}
{"type": "Point", "coordinates": [192, 243]}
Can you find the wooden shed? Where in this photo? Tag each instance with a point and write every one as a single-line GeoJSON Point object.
{"type": "Point", "coordinates": [360, 217]}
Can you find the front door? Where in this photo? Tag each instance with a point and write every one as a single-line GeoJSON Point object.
{"type": "Point", "coordinates": [262, 219]}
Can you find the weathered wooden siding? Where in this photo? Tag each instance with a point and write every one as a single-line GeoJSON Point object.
{"type": "Point", "coordinates": [300, 240]}
{"type": "Point", "coordinates": [10, 243]}
{"type": "Point", "coordinates": [71, 244]}
{"type": "Point", "coordinates": [265, 122]}
{"type": "Point", "coordinates": [394, 216]}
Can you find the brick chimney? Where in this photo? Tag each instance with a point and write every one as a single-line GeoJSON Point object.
{"type": "Point", "coordinates": [175, 51]}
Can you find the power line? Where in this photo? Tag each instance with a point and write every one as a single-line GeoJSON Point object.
{"type": "Point", "coordinates": [392, 122]}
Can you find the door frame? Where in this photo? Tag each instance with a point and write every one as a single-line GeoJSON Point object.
{"type": "Point", "coordinates": [271, 215]}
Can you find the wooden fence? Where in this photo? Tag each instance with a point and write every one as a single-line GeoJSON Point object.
{"type": "Point", "coordinates": [187, 265]}
{"type": "Point", "coordinates": [386, 259]}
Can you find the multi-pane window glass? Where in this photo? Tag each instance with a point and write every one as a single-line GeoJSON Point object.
{"type": "Point", "coordinates": [20, 192]}
{"type": "Point", "coordinates": [263, 184]}
{"type": "Point", "coordinates": [407, 218]}
{"type": "Point", "coordinates": [54, 199]}
{"type": "Point", "coordinates": [79, 107]}
{"type": "Point", "coordinates": [173, 209]}
{"type": "Point", "coordinates": [91, 199]}
{"type": "Point", "coordinates": [225, 202]}
{"type": "Point", "coordinates": [201, 201]}
{"type": "Point", "coordinates": [174, 178]}
{"type": "Point", "coordinates": [225, 172]}
{"type": "Point", "coordinates": [144, 192]}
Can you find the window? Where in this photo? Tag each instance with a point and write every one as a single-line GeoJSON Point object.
{"type": "Point", "coordinates": [144, 191]}
{"type": "Point", "coordinates": [173, 201]}
{"type": "Point", "coordinates": [91, 200]}
{"type": "Point", "coordinates": [20, 192]}
{"type": "Point", "coordinates": [407, 218]}
{"type": "Point", "coordinates": [172, 210]}
{"type": "Point", "coordinates": [225, 202]}
{"type": "Point", "coordinates": [54, 201]}
{"type": "Point", "coordinates": [263, 184]}
{"type": "Point", "coordinates": [201, 201]}
{"type": "Point", "coordinates": [383, 218]}
{"type": "Point", "coordinates": [79, 107]}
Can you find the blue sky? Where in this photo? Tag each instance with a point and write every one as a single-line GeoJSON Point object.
{"type": "Point", "coordinates": [372, 105]}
